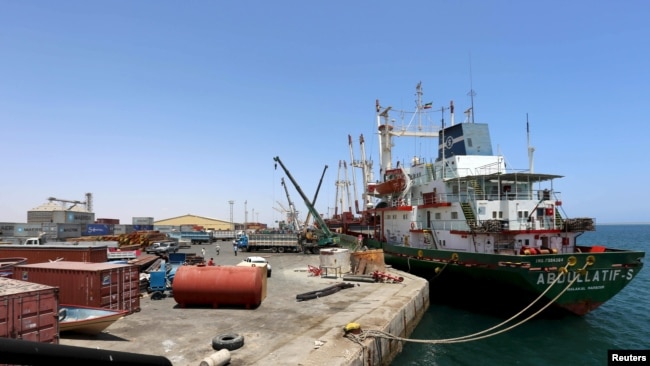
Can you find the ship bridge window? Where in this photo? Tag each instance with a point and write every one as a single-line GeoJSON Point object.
{"type": "Point", "coordinates": [437, 216]}
{"type": "Point", "coordinates": [454, 215]}
{"type": "Point", "coordinates": [497, 214]}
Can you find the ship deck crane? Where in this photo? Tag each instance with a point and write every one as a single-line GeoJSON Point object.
{"type": "Point", "coordinates": [328, 239]}
{"type": "Point", "coordinates": [313, 202]}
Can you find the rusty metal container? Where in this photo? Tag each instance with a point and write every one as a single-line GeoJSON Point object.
{"type": "Point", "coordinates": [335, 258]}
{"type": "Point", "coordinates": [68, 252]}
{"type": "Point", "coordinates": [366, 262]}
{"type": "Point", "coordinates": [102, 285]}
{"type": "Point", "coordinates": [29, 311]}
{"type": "Point", "coordinates": [217, 286]}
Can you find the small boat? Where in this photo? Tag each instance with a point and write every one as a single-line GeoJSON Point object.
{"type": "Point", "coordinates": [393, 183]}
{"type": "Point", "coordinates": [87, 320]}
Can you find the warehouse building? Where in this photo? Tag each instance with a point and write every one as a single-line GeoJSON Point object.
{"type": "Point", "coordinates": [207, 223]}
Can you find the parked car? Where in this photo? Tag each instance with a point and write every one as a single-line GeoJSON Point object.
{"type": "Point", "coordinates": [258, 261]}
{"type": "Point", "coordinates": [151, 249]}
{"type": "Point", "coordinates": [166, 247]}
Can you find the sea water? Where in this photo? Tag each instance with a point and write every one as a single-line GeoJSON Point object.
{"type": "Point", "coordinates": [622, 323]}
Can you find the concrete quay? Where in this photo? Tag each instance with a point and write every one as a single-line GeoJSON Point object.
{"type": "Point", "coordinates": [282, 330]}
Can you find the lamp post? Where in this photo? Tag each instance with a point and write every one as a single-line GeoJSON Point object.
{"type": "Point", "coordinates": [232, 227]}
{"type": "Point", "coordinates": [245, 215]}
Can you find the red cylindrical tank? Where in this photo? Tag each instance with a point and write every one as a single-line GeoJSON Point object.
{"type": "Point", "coordinates": [215, 286]}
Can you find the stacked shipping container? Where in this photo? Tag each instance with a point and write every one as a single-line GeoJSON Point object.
{"type": "Point", "coordinates": [103, 285]}
{"type": "Point", "coordinates": [45, 253]}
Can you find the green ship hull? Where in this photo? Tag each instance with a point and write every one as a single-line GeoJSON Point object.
{"type": "Point", "coordinates": [510, 282]}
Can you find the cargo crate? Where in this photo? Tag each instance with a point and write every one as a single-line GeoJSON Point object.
{"type": "Point", "coordinates": [29, 311]}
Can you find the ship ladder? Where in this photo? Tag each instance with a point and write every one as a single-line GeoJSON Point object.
{"type": "Point", "coordinates": [364, 334]}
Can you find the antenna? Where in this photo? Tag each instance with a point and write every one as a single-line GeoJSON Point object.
{"type": "Point", "coordinates": [471, 88]}
{"type": "Point", "coordinates": [531, 149]}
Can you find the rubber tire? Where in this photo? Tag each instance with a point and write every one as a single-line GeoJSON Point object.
{"type": "Point", "coordinates": [281, 250]}
{"type": "Point", "coordinates": [274, 250]}
{"type": "Point", "coordinates": [229, 341]}
{"type": "Point", "coordinates": [157, 295]}
{"type": "Point", "coordinates": [268, 274]}
{"type": "Point", "coordinates": [315, 250]}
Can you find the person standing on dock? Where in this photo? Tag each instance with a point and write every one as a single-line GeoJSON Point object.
{"type": "Point", "coordinates": [203, 252]}
{"type": "Point", "coordinates": [234, 247]}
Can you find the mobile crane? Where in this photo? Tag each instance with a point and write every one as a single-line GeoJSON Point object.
{"type": "Point", "coordinates": [311, 243]}
{"type": "Point", "coordinates": [292, 209]}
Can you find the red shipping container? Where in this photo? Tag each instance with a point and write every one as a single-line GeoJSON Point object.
{"type": "Point", "coordinates": [45, 253]}
{"type": "Point", "coordinates": [29, 311]}
{"type": "Point", "coordinates": [101, 285]}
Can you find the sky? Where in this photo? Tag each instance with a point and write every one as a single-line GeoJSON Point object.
{"type": "Point", "coordinates": [167, 108]}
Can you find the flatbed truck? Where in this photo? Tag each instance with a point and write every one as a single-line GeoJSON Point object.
{"type": "Point", "coordinates": [275, 242]}
{"type": "Point", "coordinates": [195, 237]}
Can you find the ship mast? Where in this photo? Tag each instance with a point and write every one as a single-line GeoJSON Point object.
{"type": "Point", "coordinates": [353, 164]}
{"type": "Point", "coordinates": [386, 132]}
{"type": "Point", "coordinates": [367, 174]}
{"type": "Point", "coordinates": [531, 149]}
{"type": "Point", "coordinates": [385, 154]}
{"type": "Point", "coordinates": [471, 92]}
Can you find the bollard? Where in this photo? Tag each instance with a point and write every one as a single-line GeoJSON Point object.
{"type": "Point", "coordinates": [219, 358]}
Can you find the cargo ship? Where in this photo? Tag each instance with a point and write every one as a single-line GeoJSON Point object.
{"type": "Point", "coordinates": [485, 235]}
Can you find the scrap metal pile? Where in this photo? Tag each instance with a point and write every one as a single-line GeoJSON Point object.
{"type": "Point", "coordinates": [134, 239]}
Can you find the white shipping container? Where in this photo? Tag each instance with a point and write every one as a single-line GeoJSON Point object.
{"type": "Point", "coordinates": [187, 227]}
{"type": "Point", "coordinates": [7, 228]}
{"type": "Point", "coordinates": [166, 228]}
{"type": "Point", "coordinates": [143, 221]}
{"type": "Point", "coordinates": [27, 230]}
{"type": "Point", "coordinates": [73, 217]}
{"type": "Point", "coordinates": [122, 229]}
{"type": "Point", "coordinates": [61, 231]}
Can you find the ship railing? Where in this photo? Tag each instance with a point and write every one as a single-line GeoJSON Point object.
{"type": "Point", "coordinates": [579, 224]}
{"type": "Point", "coordinates": [504, 247]}
{"type": "Point", "coordinates": [459, 225]}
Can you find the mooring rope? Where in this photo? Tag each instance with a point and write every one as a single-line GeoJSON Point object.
{"type": "Point", "coordinates": [360, 338]}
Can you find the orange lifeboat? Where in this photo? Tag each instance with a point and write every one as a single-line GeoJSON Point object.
{"type": "Point", "coordinates": [394, 182]}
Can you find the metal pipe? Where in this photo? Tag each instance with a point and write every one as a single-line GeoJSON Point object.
{"type": "Point", "coordinates": [22, 352]}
